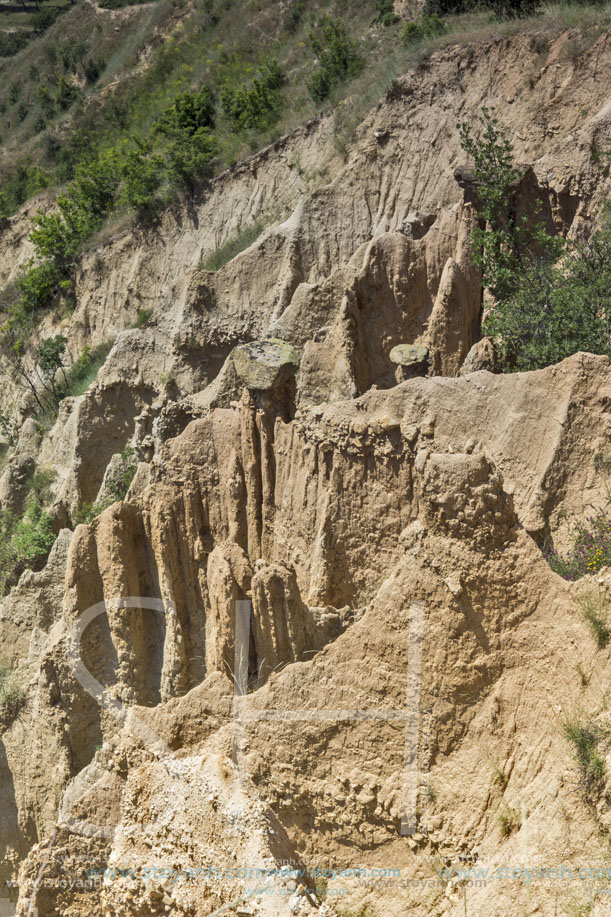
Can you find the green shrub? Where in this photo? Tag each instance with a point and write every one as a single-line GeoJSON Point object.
{"type": "Point", "coordinates": [50, 361]}
{"type": "Point", "coordinates": [338, 57]}
{"type": "Point", "coordinates": [95, 187]}
{"type": "Point", "coordinates": [386, 12]}
{"type": "Point", "coordinates": [142, 172]}
{"type": "Point", "coordinates": [256, 105]}
{"type": "Point", "coordinates": [428, 26]}
{"type": "Point", "coordinates": [37, 287]}
{"type": "Point", "coordinates": [12, 696]}
{"type": "Point", "coordinates": [507, 243]}
{"type": "Point", "coordinates": [556, 309]}
{"type": "Point", "coordinates": [67, 92]}
{"type": "Point", "coordinates": [25, 541]}
{"type": "Point", "coordinates": [551, 299]}
{"type": "Point", "coordinates": [33, 535]}
{"type": "Point", "coordinates": [12, 43]}
{"type": "Point", "coordinates": [58, 236]}
{"type": "Point", "coordinates": [46, 101]}
{"type": "Point", "coordinates": [71, 53]}
{"type": "Point", "coordinates": [190, 159]}
{"type": "Point", "coordinates": [189, 112]}
{"type": "Point", "coordinates": [293, 16]}
{"type": "Point", "coordinates": [143, 317]}
{"type": "Point", "coordinates": [44, 18]}
{"type": "Point", "coordinates": [93, 68]}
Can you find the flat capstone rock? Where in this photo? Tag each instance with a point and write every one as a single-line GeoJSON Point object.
{"type": "Point", "coordinates": [261, 363]}
{"type": "Point", "coordinates": [409, 354]}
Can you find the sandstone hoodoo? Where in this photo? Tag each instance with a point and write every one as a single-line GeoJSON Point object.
{"type": "Point", "coordinates": [305, 459]}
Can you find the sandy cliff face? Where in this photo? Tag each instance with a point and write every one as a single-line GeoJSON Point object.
{"type": "Point", "coordinates": [346, 628]}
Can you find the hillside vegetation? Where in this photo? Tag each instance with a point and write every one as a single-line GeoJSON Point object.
{"type": "Point", "coordinates": [128, 82]}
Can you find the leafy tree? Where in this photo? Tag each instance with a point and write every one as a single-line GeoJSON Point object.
{"type": "Point", "coordinates": [189, 112]}
{"type": "Point", "coordinates": [509, 239]}
{"type": "Point", "coordinates": [142, 173]}
{"type": "Point", "coordinates": [551, 298]}
{"type": "Point", "coordinates": [338, 57]}
{"type": "Point", "coordinates": [67, 92]}
{"type": "Point", "coordinates": [191, 158]}
{"type": "Point", "coordinates": [425, 27]}
{"type": "Point", "coordinates": [257, 104]}
{"type": "Point", "coordinates": [50, 360]}
{"type": "Point", "coordinates": [557, 309]}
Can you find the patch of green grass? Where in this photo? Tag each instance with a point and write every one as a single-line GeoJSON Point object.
{"type": "Point", "coordinates": [499, 777]}
{"type": "Point", "coordinates": [584, 737]}
{"type": "Point", "coordinates": [509, 821]}
{"type": "Point", "coordinates": [143, 317]}
{"type": "Point", "coordinates": [602, 461]}
{"type": "Point", "coordinates": [575, 908]}
{"type": "Point", "coordinates": [594, 609]}
{"type": "Point", "coordinates": [226, 252]}
{"type": "Point", "coordinates": [86, 368]}
{"type": "Point", "coordinates": [584, 678]}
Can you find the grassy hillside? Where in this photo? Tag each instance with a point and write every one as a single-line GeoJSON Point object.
{"type": "Point", "coordinates": [100, 79]}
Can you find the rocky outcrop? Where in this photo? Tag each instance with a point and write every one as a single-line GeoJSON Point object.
{"type": "Point", "coordinates": [305, 530]}
{"type": "Point", "coordinates": [276, 522]}
{"type": "Point", "coordinates": [237, 512]}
